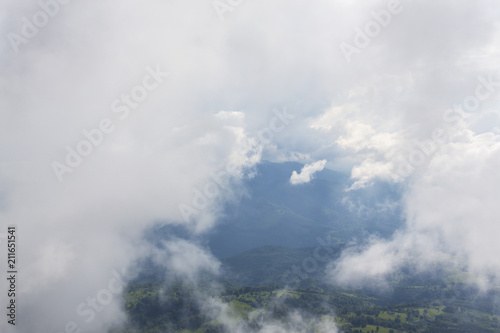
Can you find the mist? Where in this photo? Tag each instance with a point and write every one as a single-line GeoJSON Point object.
{"type": "Point", "coordinates": [116, 116]}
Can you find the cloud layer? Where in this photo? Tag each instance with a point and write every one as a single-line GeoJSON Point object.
{"type": "Point", "coordinates": [389, 114]}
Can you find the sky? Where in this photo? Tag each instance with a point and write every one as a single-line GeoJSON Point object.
{"type": "Point", "coordinates": [115, 115]}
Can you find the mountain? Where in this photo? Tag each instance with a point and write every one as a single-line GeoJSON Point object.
{"type": "Point", "coordinates": [276, 212]}
{"type": "Point", "coordinates": [270, 244]}
{"type": "Point", "coordinates": [267, 265]}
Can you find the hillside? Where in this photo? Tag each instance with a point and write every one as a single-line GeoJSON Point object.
{"type": "Point", "coordinates": [173, 307]}
{"type": "Point", "coordinates": [266, 265]}
{"type": "Point", "coordinates": [252, 288]}
{"type": "Point", "coordinates": [274, 212]}
{"type": "Point", "coordinates": [278, 213]}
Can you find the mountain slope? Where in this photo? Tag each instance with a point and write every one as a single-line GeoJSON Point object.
{"type": "Point", "coordinates": [275, 212]}
{"type": "Point", "coordinates": [278, 213]}
{"type": "Point", "coordinates": [275, 265]}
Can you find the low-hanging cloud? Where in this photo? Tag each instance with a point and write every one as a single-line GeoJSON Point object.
{"type": "Point", "coordinates": [263, 320]}
{"type": "Point", "coordinates": [368, 116]}
{"type": "Point", "coordinates": [450, 213]}
{"type": "Point", "coordinates": [307, 172]}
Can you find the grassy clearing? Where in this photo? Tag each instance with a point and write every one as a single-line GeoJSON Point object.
{"type": "Point", "coordinates": [393, 315]}
{"type": "Point", "coordinates": [370, 328]}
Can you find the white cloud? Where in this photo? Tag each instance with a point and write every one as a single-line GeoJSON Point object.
{"type": "Point", "coordinates": [263, 321]}
{"type": "Point", "coordinates": [363, 116]}
{"type": "Point", "coordinates": [307, 172]}
{"type": "Point", "coordinates": [451, 217]}
{"type": "Point", "coordinates": [185, 260]}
